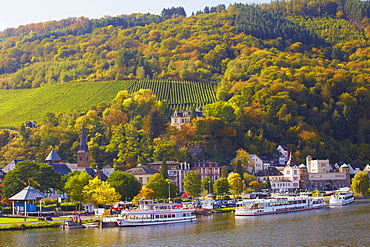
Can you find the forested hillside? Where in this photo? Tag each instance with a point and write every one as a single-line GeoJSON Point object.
{"type": "Point", "coordinates": [290, 72]}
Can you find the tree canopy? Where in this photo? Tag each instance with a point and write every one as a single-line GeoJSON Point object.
{"type": "Point", "coordinates": [192, 182]}
{"type": "Point", "coordinates": [75, 183]}
{"type": "Point", "coordinates": [360, 183]}
{"type": "Point", "coordinates": [221, 186]}
{"type": "Point", "coordinates": [126, 184]}
{"type": "Point", "coordinates": [28, 173]}
{"type": "Point", "coordinates": [98, 192]}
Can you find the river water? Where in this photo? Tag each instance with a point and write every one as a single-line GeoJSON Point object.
{"type": "Point", "coordinates": [338, 226]}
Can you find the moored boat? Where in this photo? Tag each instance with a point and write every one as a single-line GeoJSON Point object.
{"type": "Point", "coordinates": [90, 225]}
{"type": "Point", "coordinates": [150, 213]}
{"type": "Point", "coordinates": [69, 224]}
{"type": "Point", "coordinates": [278, 205]}
{"type": "Point", "coordinates": [341, 197]}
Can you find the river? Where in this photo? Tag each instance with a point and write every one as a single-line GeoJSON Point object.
{"type": "Point", "coordinates": [339, 226]}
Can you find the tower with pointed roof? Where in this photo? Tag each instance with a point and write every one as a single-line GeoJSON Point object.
{"type": "Point", "coordinates": [83, 154]}
{"type": "Point", "coordinates": [53, 156]}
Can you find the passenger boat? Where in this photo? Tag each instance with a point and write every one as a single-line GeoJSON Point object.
{"type": "Point", "coordinates": [341, 197]}
{"type": "Point", "coordinates": [278, 205]}
{"type": "Point", "coordinates": [151, 213]}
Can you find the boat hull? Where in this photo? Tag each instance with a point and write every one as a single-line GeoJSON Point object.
{"type": "Point", "coordinates": [278, 205]}
{"type": "Point", "coordinates": [274, 212]}
{"type": "Point", "coordinates": [340, 202]}
{"type": "Point", "coordinates": [127, 222]}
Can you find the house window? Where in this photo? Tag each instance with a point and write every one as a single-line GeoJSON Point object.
{"type": "Point", "coordinates": [140, 179]}
{"type": "Point", "coordinates": [295, 172]}
{"type": "Point", "coordinates": [287, 172]}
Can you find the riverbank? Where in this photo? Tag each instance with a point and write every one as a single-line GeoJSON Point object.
{"type": "Point", "coordinates": [15, 222]}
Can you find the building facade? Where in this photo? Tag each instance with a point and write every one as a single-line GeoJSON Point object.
{"type": "Point", "coordinates": [143, 173]}
{"type": "Point", "coordinates": [317, 174]}
{"type": "Point", "coordinates": [208, 168]}
{"type": "Point", "coordinates": [179, 118]}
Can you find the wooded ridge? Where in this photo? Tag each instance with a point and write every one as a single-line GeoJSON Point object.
{"type": "Point", "coordinates": [290, 72]}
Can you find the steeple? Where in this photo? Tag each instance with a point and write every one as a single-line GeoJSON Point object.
{"type": "Point", "coordinates": [53, 156]}
{"type": "Point", "coordinates": [83, 145]}
{"type": "Point", "coordinates": [83, 154]}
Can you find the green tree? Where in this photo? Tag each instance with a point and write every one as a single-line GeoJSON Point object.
{"type": "Point", "coordinates": [159, 185]}
{"type": "Point", "coordinates": [29, 173]}
{"type": "Point", "coordinates": [75, 184]}
{"type": "Point", "coordinates": [98, 192]}
{"type": "Point", "coordinates": [192, 182]}
{"type": "Point", "coordinates": [126, 184]}
{"type": "Point", "coordinates": [221, 186]}
{"type": "Point", "coordinates": [360, 183]}
{"type": "Point", "coordinates": [164, 169]}
{"type": "Point", "coordinates": [235, 183]}
{"type": "Point", "coordinates": [248, 178]}
{"type": "Point", "coordinates": [241, 162]}
{"type": "Point", "coordinates": [224, 172]}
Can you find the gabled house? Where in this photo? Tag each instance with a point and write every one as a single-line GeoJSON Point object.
{"type": "Point", "coordinates": [179, 118]}
{"type": "Point", "coordinates": [257, 163]}
{"type": "Point", "coordinates": [10, 166]}
{"type": "Point", "coordinates": [284, 153]}
{"type": "Point", "coordinates": [142, 173]}
{"type": "Point", "coordinates": [271, 173]}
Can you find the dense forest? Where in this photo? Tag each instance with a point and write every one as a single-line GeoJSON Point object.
{"type": "Point", "coordinates": [294, 73]}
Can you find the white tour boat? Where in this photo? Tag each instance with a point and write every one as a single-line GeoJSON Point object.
{"type": "Point", "coordinates": [278, 205]}
{"type": "Point", "coordinates": [341, 197]}
{"type": "Point", "coordinates": [150, 213]}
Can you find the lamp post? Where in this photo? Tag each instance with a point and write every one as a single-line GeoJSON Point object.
{"type": "Point", "coordinates": [243, 187]}
{"type": "Point", "coordinates": [39, 198]}
{"type": "Point", "coordinates": [169, 191]}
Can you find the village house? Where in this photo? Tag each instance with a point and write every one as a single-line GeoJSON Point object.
{"type": "Point", "coordinates": [179, 118]}
{"type": "Point", "coordinates": [208, 169]}
{"type": "Point", "coordinates": [269, 174]}
{"type": "Point", "coordinates": [143, 173]}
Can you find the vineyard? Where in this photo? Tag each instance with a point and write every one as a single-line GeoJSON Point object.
{"type": "Point", "coordinates": [18, 106]}
{"type": "Point", "coordinates": [179, 95]}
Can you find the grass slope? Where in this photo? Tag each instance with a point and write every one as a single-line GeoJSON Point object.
{"type": "Point", "coordinates": [21, 105]}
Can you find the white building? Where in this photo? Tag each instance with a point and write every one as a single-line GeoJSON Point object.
{"type": "Point", "coordinates": [317, 166]}
{"type": "Point", "coordinates": [257, 162]}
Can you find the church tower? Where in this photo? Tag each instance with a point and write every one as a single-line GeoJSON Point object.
{"type": "Point", "coordinates": [83, 154]}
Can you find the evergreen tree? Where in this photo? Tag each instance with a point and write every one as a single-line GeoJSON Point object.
{"type": "Point", "coordinates": [164, 169]}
